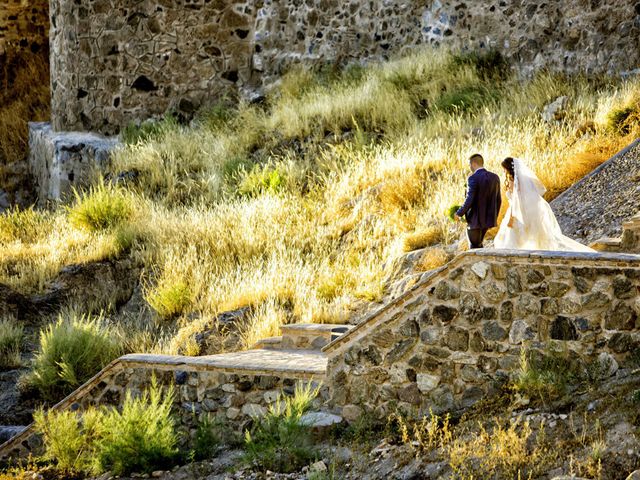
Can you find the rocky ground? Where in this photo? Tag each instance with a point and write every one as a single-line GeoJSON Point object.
{"type": "Point", "coordinates": [597, 206]}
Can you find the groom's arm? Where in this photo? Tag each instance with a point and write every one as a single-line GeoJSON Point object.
{"type": "Point", "coordinates": [471, 194]}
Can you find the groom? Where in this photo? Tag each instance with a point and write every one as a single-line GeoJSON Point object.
{"type": "Point", "coordinates": [483, 202]}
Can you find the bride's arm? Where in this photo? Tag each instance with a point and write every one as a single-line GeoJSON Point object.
{"type": "Point", "coordinates": [509, 185]}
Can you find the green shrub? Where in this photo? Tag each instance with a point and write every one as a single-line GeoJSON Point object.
{"type": "Point", "coordinates": [147, 130]}
{"type": "Point", "coordinates": [71, 351]}
{"type": "Point", "coordinates": [488, 64]}
{"type": "Point", "coordinates": [279, 441]}
{"type": "Point", "coordinates": [207, 439]}
{"type": "Point", "coordinates": [234, 166]}
{"type": "Point", "coordinates": [103, 207]}
{"type": "Point", "coordinates": [619, 120]}
{"type": "Point", "coordinates": [464, 99]}
{"type": "Point", "coordinates": [68, 438]}
{"type": "Point", "coordinates": [142, 437]}
{"type": "Point", "coordinates": [545, 376]}
{"type": "Point", "coordinates": [170, 300]}
{"type": "Point", "coordinates": [10, 342]}
{"type": "Point", "coordinates": [262, 179]}
{"type": "Point", "coordinates": [139, 438]}
{"type": "Point", "coordinates": [218, 116]}
{"type": "Point", "coordinates": [23, 225]}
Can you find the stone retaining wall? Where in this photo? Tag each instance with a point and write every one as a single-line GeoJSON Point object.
{"type": "Point", "coordinates": [233, 388]}
{"type": "Point", "coordinates": [114, 61]}
{"type": "Point", "coordinates": [455, 338]}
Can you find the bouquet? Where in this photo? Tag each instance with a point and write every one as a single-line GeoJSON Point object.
{"type": "Point", "coordinates": [451, 212]}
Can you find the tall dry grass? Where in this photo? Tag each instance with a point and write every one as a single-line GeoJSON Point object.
{"type": "Point", "coordinates": [293, 208]}
{"type": "Point", "coordinates": [24, 97]}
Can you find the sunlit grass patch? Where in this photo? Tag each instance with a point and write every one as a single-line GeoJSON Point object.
{"type": "Point", "coordinates": [11, 337]}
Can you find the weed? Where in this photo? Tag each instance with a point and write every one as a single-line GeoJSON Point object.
{"type": "Point", "coordinates": [102, 208]}
{"type": "Point", "coordinates": [141, 437]}
{"type": "Point", "coordinates": [71, 351]}
{"type": "Point", "coordinates": [544, 376]}
{"type": "Point", "coordinates": [279, 441]}
{"type": "Point", "coordinates": [171, 300]}
{"type": "Point", "coordinates": [207, 438]}
{"type": "Point", "coordinates": [11, 335]}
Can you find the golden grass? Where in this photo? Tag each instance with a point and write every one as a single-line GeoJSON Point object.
{"type": "Point", "coordinates": [294, 208]}
{"type": "Point", "coordinates": [24, 97]}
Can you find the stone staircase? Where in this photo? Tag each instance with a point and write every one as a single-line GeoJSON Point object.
{"type": "Point", "coordinates": [236, 386]}
{"type": "Point", "coordinates": [303, 336]}
{"type": "Point", "coordinates": [629, 241]}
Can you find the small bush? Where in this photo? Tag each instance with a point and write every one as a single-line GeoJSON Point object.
{"type": "Point", "coordinates": [10, 342]}
{"type": "Point", "coordinates": [147, 130]}
{"type": "Point", "coordinates": [423, 434]}
{"type": "Point", "coordinates": [102, 208]}
{"type": "Point", "coordinates": [278, 441]}
{"type": "Point", "coordinates": [67, 439]}
{"type": "Point", "coordinates": [262, 179]}
{"type": "Point", "coordinates": [208, 438]}
{"type": "Point", "coordinates": [170, 300]}
{"type": "Point", "coordinates": [489, 64]}
{"type": "Point", "coordinates": [432, 259]}
{"type": "Point", "coordinates": [544, 376]}
{"type": "Point", "coordinates": [142, 437]}
{"type": "Point", "coordinates": [465, 99]}
{"type": "Point", "coordinates": [71, 351]}
{"type": "Point", "coordinates": [139, 438]}
{"type": "Point", "coordinates": [507, 451]}
{"type": "Point", "coordinates": [619, 120]}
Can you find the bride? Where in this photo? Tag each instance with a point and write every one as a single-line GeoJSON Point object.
{"type": "Point", "coordinates": [530, 223]}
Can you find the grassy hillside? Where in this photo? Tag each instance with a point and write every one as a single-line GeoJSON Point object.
{"type": "Point", "coordinates": [294, 206]}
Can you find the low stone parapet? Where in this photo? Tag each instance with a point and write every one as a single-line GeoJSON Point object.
{"type": "Point", "coordinates": [232, 387]}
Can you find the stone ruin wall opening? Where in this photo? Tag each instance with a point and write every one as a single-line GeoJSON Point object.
{"type": "Point", "coordinates": [117, 61]}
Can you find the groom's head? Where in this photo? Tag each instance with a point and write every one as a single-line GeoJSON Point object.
{"type": "Point", "coordinates": [476, 161]}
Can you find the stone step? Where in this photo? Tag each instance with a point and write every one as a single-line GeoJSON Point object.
{"type": "Point", "coordinates": [607, 244]}
{"type": "Point", "coordinates": [269, 343]}
{"type": "Point", "coordinates": [310, 336]}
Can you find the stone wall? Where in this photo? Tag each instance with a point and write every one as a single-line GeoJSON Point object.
{"type": "Point", "coordinates": [456, 337]}
{"type": "Point", "coordinates": [232, 387]}
{"type": "Point", "coordinates": [114, 61]}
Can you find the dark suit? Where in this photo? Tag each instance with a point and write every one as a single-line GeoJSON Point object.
{"type": "Point", "coordinates": [481, 206]}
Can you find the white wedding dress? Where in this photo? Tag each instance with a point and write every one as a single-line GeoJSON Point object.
{"type": "Point", "coordinates": [534, 225]}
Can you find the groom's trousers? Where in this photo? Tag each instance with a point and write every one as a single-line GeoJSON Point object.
{"type": "Point", "coordinates": [476, 236]}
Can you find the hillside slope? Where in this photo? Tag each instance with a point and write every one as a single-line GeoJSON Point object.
{"type": "Point", "coordinates": [597, 205]}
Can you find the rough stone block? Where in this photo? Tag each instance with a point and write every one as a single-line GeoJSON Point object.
{"type": "Point", "coordinates": [61, 161]}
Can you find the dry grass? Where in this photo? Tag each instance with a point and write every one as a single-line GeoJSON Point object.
{"type": "Point", "coordinates": [505, 451]}
{"type": "Point", "coordinates": [293, 208]}
{"type": "Point", "coordinates": [24, 97]}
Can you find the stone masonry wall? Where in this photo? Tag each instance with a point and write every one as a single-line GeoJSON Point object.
{"type": "Point", "coordinates": [457, 337]}
{"type": "Point", "coordinates": [223, 386]}
{"type": "Point", "coordinates": [115, 61]}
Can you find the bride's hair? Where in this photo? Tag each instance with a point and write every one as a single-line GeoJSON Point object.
{"type": "Point", "coordinates": [507, 164]}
